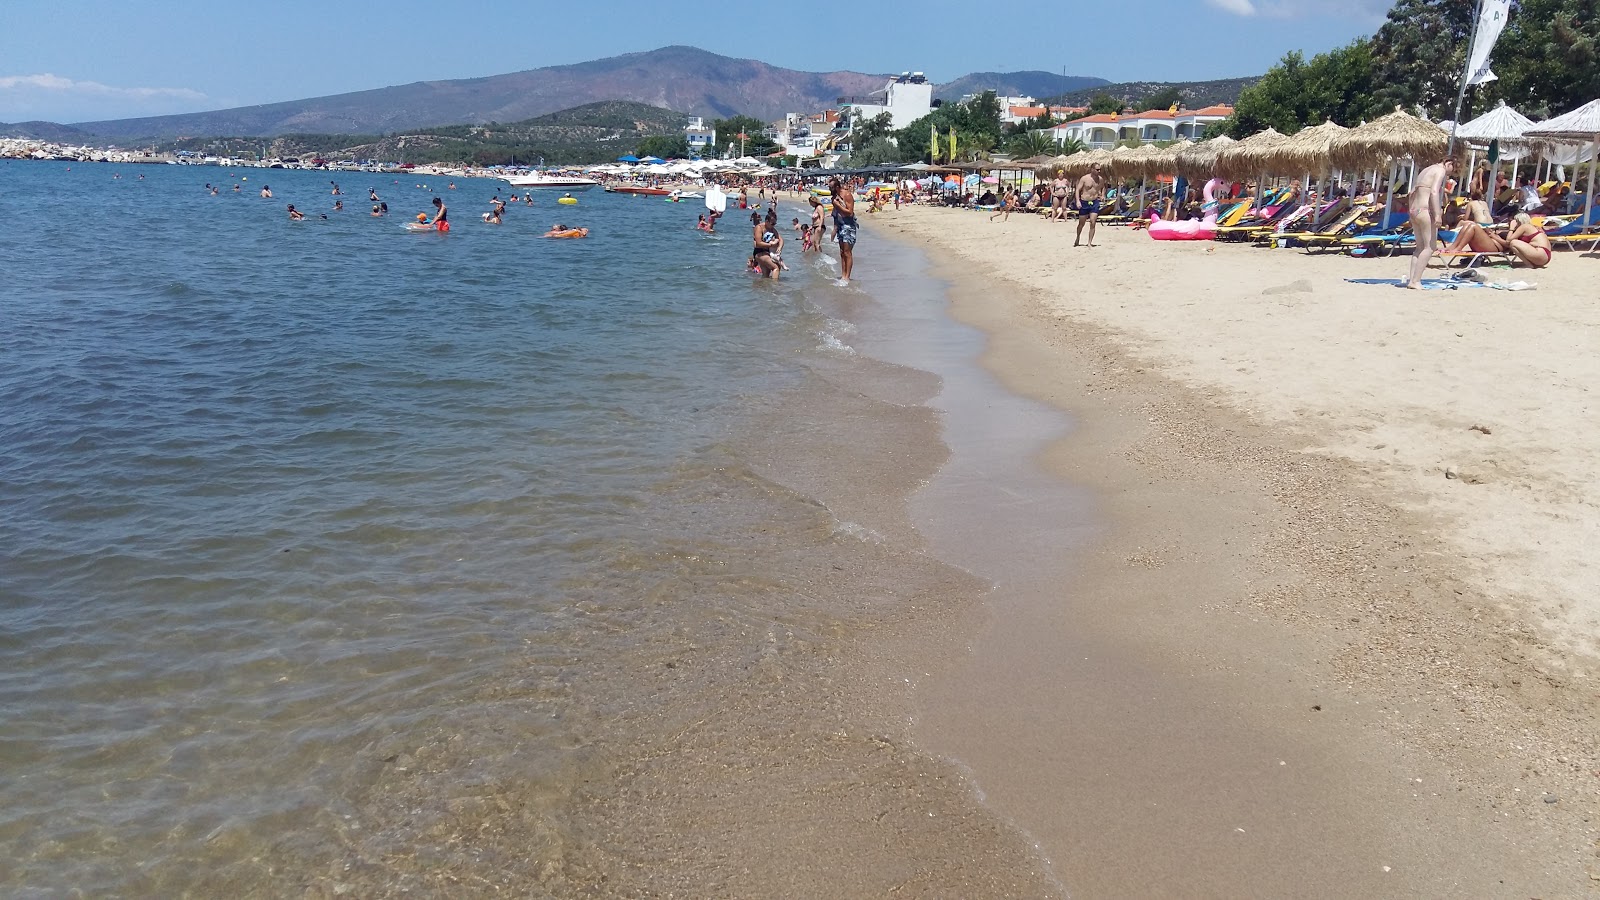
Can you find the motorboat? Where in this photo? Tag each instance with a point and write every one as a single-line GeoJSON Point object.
{"type": "Point", "coordinates": [555, 182]}
{"type": "Point", "coordinates": [638, 189]}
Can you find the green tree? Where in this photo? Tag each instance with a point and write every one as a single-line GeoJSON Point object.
{"type": "Point", "coordinates": [1165, 98]}
{"type": "Point", "coordinates": [755, 143]}
{"type": "Point", "coordinates": [1548, 59]}
{"type": "Point", "coordinates": [664, 146]}
{"type": "Point", "coordinates": [1070, 146]}
{"type": "Point", "coordinates": [1101, 104]}
{"type": "Point", "coordinates": [1030, 143]}
{"type": "Point", "coordinates": [876, 152]}
{"type": "Point", "coordinates": [1419, 52]}
{"type": "Point", "coordinates": [1294, 93]}
{"type": "Point", "coordinates": [869, 130]}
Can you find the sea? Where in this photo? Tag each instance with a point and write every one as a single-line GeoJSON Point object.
{"type": "Point", "coordinates": [339, 560]}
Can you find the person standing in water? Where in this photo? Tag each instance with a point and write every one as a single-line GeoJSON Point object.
{"type": "Point", "coordinates": [844, 228]}
{"type": "Point", "coordinates": [266, 192]}
{"type": "Point", "coordinates": [441, 216]}
{"type": "Point", "coordinates": [1426, 193]}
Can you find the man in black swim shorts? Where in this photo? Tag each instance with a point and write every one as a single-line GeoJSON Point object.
{"type": "Point", "coordinates": [1091, 190]}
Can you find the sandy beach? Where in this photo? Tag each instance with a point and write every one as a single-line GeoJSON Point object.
{"type": "Point", "coordinates": [1343, 624]}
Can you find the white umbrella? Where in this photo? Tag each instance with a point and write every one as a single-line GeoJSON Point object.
{"type": "Point", "coordinates": [1580, 125]}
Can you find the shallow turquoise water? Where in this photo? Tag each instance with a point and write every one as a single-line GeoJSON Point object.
{"type": "Point", "coordinates": [275, 493]}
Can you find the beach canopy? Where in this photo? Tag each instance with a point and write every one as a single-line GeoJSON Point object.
{"type": "Point", "coordinates": [1308, 151]}
{"type": "Point", "coordinates": [1394, 136]}
{"type": "Point", "coordinates": [1198, 162]}
{"type": "Point", "coordinates": [1582, 124]}
{"type": "Point", "coordinates": [1502, 124]}
{"type": "Point", "coordinates": [1251, 156]}
{"type": "Point", "coordinates": [630, 158]}
{"type": "Point", "coordinates": [1125, 162]}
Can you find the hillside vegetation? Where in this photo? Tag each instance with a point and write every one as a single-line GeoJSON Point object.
{"type": "Point", "coordinates": [594, 132]}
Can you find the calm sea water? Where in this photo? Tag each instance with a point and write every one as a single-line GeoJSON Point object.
{"type": "Point", "coordinates": [283, 505]}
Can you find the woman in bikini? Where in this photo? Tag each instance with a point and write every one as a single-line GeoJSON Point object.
{"type": "Point", "coordinates": [1529, 242]}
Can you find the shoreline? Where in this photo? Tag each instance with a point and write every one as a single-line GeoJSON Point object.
{"type": "Point", "coordinates": [1317, 590]}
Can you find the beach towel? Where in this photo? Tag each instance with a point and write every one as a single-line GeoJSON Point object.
{"type": "Point", "coordinates": [1428, 284]}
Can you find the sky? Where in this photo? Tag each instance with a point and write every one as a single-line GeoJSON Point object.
{"type": "Point", "coordinates": [81, 60]}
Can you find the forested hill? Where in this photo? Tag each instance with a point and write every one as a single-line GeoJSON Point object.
{"type": "Point", "coordinates": [594, 132]}
{"type": "Point", "coordinates": [1196, 94]}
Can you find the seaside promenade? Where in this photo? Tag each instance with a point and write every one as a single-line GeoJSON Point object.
{"type": "Point", "coordinates": [1318, 489]}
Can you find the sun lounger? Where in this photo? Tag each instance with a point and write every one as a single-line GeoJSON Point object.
{"type": "Point", "coordinates": [1333, 215]}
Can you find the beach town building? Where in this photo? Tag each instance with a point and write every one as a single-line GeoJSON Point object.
{"type": "Point", "coordinates": [1104, 130]}
{"type": "Point", "coordinates": [907, 98]}
{"type": "Point", "coordinates": [701, 136]}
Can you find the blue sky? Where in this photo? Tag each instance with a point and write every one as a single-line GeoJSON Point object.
{"type": "Point", "coordinates": [76, 60]}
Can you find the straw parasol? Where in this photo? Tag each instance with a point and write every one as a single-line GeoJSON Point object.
{"type": "Point", "coordinates": [1079, 163]}
{"type": "Point", "coordinates": [1251, 155]}
{"type": "Point", "coordinates": [1126, 162]}
{"type": "Point", "coordinates": [1394, 136]}
{"type": "Point", "coordinates": [1160, 160]}
{"type": "Point", "coordinates": [1308, 150]}
{"type": "Point", "coordinates": [1197, 162]}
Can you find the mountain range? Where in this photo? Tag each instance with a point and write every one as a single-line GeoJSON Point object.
{"type": "Point", "coordinates": [685, 79]}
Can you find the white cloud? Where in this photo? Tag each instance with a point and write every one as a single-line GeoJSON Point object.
{"type": "Point", "coordinates": [65, 99]}
{"type": "Point", "coordinates": [1284, 9]}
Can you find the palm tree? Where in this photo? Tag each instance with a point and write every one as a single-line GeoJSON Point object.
{"type": "Point", "coordinates": [1072, 145]}
{"type": "Point", "coordinates": [1030, 143]}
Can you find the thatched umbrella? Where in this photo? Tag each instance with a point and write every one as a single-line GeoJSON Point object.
{"type": "Point", "coordinates": [1307, 151]}
{"type": "Point", "coordinates": [1582, 124]}
{"type": "Point", "coordinates": [1394, 136]}
{"type": "Point", "coordinates": [1198, 162]}
{"type": "Point", "coordinates": [1125, 162]}
{"type": "Point", "coordinates": [1079, 163]}
{"type": "Point", "coordinates": [1160, 160]}
{"type": "Point", "coordinates": [1386, 141]}
{"type": "Point", "coordinates": [1249, 156]}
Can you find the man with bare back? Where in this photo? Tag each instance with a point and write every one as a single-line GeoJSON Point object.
{"type": "Point", "coordinates": [1426, 196]}
{"type": "Point", "coordinates": [1091, 190]}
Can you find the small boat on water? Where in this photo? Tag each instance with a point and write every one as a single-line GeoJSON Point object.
{"type": "Point", "coordinates": [558, 182]}
{"type": "Point", "coordinates": [631, 189]}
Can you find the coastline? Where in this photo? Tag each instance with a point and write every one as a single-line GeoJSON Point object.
{"type": "Point", "coordinates": [1303, 632]}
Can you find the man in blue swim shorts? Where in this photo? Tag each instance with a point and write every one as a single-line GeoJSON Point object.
{"type": "Point", "coordinates": [1091, 190]}
{"type": "Point", "coordinates": [844, 227]}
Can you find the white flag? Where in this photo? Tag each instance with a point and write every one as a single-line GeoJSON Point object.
{"type": "Point", "coordinates": [1491, 21]}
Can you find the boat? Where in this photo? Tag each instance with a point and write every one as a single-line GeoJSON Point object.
{"type": "Point", "coordinates": [631, 189]}
{"type": "Point", "coordinates": [556, 182]}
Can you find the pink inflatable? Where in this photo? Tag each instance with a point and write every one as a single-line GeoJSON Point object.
{"type": "Point", "coordinates": [1190, 230]}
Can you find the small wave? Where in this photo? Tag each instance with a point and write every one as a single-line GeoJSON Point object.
{"type": "Point", "coordinates": [832, 343]}
{"type": "Point", "coordinates": [860, 532]}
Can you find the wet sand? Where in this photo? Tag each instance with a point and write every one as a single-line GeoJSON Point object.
{"type": "Point", "coordinates": [1271, 675]}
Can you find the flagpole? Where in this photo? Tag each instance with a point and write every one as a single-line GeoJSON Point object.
{"type": "Point", "coordinates": [1466, 74]}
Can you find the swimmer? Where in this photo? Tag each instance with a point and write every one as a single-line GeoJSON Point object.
{"type": "Point", "coordinates": [372, 194]}
{"type": "Point", "coordinates": [452, 185]}
{"type": "Point", "coordinates": [266, 192]}
{"type": "Point", "coordinates": [295, 215]}
{"type": "Point", "coordinates": [384, 207]}
{"type": "Point", "coordinates": [441, 216]}
{"type": "Point", "coordinates": [236, 189]}
{"type": "Point", "coordinates": [336, 191]}
{"type": "Point", "coordinates": [338, 206]}
{"type": "Point", "coordinates": [376, 211]}
{"type": "Point", "coordinates": [492, 216]}
{"type": "Point", "coordinates": [701, 223]}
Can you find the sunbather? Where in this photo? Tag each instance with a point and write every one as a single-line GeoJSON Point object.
{"type": "Point", "coordinates": [1474, 238]}
{"type": "Point", "coordinates": [1529, 242]}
